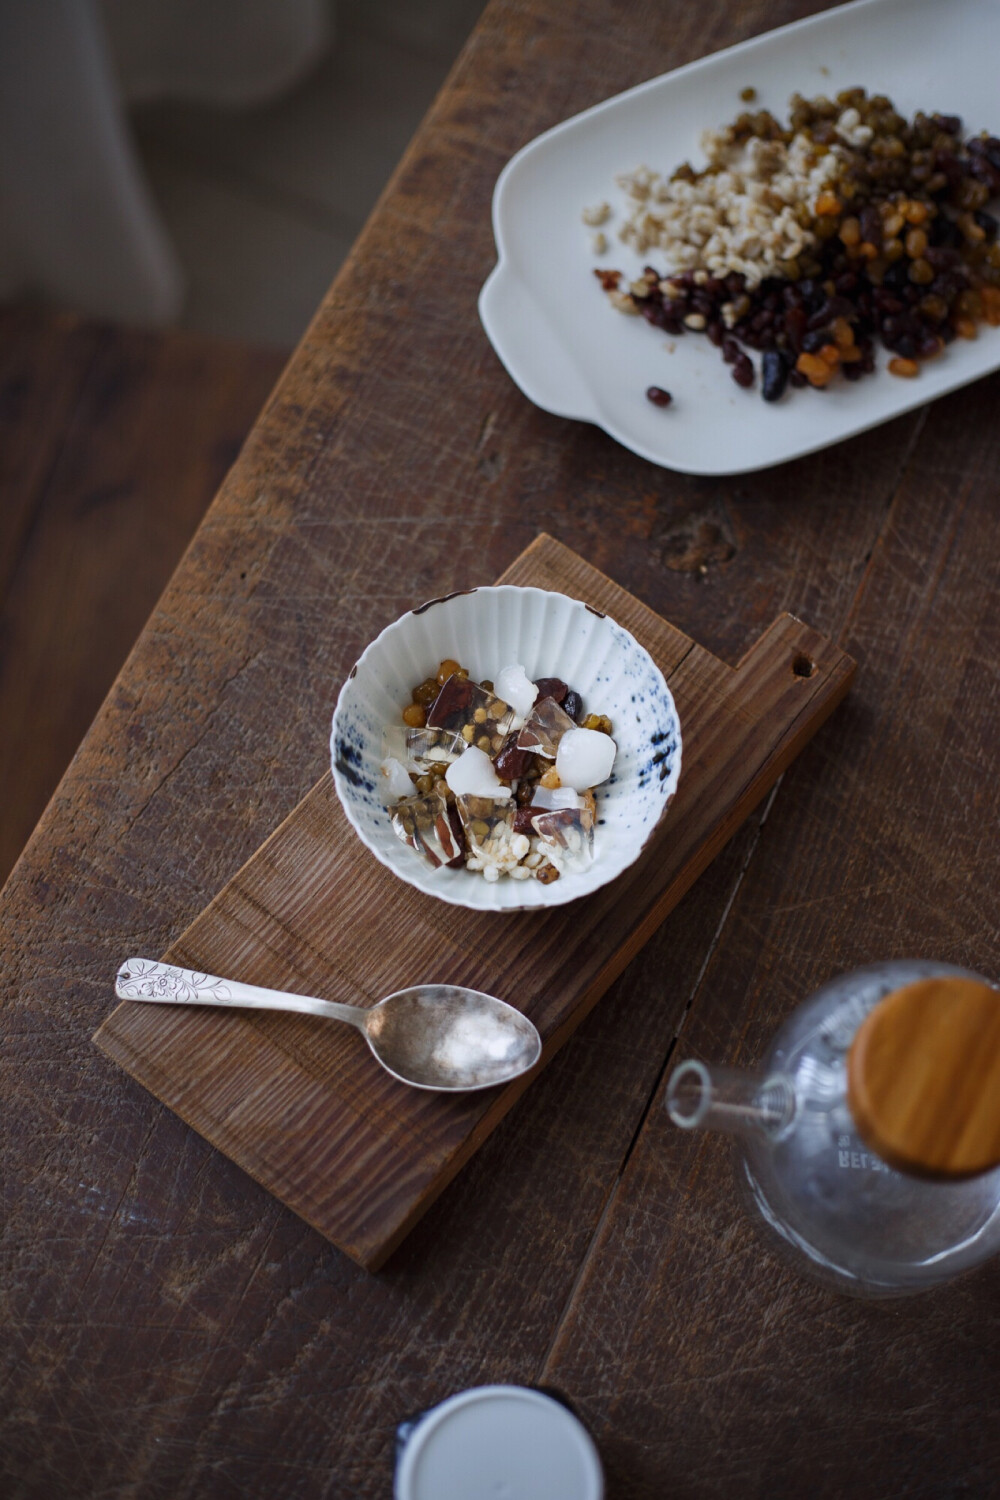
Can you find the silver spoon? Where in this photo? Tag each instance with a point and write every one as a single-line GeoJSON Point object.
{"type": "Point", "coordinates": [433, 1036]}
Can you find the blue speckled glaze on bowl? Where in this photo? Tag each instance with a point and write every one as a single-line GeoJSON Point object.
{"type": "Point", "coordinates": [552, 636]}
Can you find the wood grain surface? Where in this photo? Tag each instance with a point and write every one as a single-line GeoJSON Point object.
{"type": "Point", "coordinates": [170, 1330]}
{"type": "Point", "coordinates": [300, 1105]}
{"type": "Point", "coordinates": [923, 1078]}
{"type": "Point", "coordinates": [112, 444]}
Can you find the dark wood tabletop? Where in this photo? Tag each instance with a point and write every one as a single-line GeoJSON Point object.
{"type": "Point", "coordinates": [170, 1330]}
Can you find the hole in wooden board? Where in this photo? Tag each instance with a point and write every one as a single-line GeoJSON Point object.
{"type": "Point", "coordinates": [802, 666]}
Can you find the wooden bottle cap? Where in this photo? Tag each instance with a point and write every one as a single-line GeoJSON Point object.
{"type": "Point", "coordinates": [923, 1078]}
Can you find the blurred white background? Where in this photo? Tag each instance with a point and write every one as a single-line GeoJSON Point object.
{"type": "Point", "coordinates": [262, 205]}
{"type": "Point", "coordinates": [124, 194]}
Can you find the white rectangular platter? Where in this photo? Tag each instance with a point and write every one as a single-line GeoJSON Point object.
{"type": "Point", "coordinates": [574, 355]}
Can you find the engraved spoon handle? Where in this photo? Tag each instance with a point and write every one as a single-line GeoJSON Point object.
{"type": "Point", "coordinates": [165, 984]}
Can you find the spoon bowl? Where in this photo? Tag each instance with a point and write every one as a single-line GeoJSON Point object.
{"type": "Point", "coordinates": [440, 1036]}
{"type": "Point", "coordinates": [431, 1036]}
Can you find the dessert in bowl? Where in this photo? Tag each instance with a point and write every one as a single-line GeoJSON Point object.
{"type": "Point", "coordinates": [498, 805]}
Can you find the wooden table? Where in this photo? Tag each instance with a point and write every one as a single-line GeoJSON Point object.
{"type": "Point", "coordinates": [98, 500]}
{"type": "Point", "coordinates": [169, 1329]}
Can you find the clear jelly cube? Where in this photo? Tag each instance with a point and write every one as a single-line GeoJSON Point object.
{"type": "Point", "coordinates": [544, 728]}
{"type": "Point", "coordinates": [566, 837]}
{"type": "Point", "coordinates": [486, 822]}
{"type": "Point", "coordinates": [468, 710]}
{"type": "Point", "coordinates": [495, 848]}
{"type": "Point", "coordinates": [425, 825]}
{"type": "Point", "coordinates": [424, 747]}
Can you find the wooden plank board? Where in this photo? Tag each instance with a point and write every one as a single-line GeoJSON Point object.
{"type": "Point", "coordinates": [300, 1104]}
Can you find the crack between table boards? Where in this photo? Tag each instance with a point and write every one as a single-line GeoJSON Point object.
{"type": "Point", "coordinates": [593, 1243]}
{"type": "Point", "coordinates": [204, 730]}
{"type": "Point", "coordinates": [871, 560]}
{"type": "Point", "coordinates": [613, 1192]}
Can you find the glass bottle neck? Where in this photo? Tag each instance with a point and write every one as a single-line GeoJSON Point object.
{"type": "Point", "coordinates": [703, 1097]}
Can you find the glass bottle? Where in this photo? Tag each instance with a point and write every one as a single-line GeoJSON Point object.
{"type": "Point", "coordinates": [831, 1206]}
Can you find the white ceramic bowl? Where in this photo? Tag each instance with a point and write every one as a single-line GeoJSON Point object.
{"type": "Point", "coordinates": [486, 630]}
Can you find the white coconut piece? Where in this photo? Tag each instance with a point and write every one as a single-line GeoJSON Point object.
{"type": "Point", "coordinates": [552, 798]}
{"type": "Point", "coordinates": [398, 784]}
{"type": "Point", "coordinates": [394, 743]}
{"type": "Point", "coordinates": [515, 687]}
{"type": "Point", "coordinates": [584, 758]}
{"type": "Point", "coordinates": [472, 775]}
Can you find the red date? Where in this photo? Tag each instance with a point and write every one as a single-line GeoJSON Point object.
{"type": "Point", "coordinates": [551, 687]}
{"type": "Point", "coordinates": [453, 699]}
{"type": "Point", "coordinates": [511, 763]}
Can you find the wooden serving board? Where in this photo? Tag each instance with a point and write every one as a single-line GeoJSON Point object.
{"type": "Point", "coordinates": [300, 1104]}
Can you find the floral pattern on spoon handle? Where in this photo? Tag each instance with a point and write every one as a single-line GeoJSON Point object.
{"type": "Point", "coordinates": [142, 979]}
